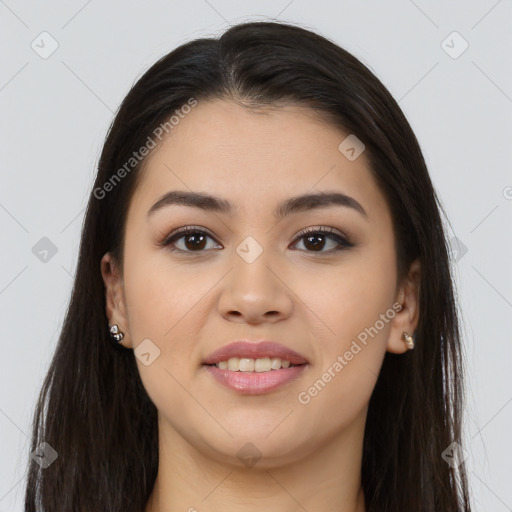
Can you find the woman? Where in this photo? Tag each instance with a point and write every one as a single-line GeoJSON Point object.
{"type": "Point", "coordinates": [263, 315]}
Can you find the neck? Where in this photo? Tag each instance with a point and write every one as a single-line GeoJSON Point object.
{"type": "Point", "coordinates": [326, 480]}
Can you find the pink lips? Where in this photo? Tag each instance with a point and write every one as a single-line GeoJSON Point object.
{"type": "Point", "coordinates": [255, 383]}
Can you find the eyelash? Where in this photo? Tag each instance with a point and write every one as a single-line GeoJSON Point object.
{"type": "Point", "coordinates": [179, 233]}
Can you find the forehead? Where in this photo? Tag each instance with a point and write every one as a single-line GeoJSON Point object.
{"type": "Point", "coordinates": [255, 157]}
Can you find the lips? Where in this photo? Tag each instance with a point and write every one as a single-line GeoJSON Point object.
{"type": "Point", "coordinates": [253, 350]}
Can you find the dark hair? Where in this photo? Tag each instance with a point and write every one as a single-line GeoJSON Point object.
{"type": "Point", "coordinates": [93, 409]}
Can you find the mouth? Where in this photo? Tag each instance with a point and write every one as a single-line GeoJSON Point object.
{"type": "Point", "coordinates": [254, 368]}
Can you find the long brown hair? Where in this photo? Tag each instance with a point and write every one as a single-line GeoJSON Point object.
{"type": "Point", "coordinates": [93, 409]}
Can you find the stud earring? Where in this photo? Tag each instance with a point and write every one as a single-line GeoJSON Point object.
{"type": "Point", "coordinates": [409, 341]}
{"type": "Point", "coordinates": [116, 334]}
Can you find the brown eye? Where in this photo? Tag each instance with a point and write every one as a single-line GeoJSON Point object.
{"type": "Point", "coordinates": [315, 239]}
{"type": "Point", "coordinates": [192, 238]}
{"type": "Point", "coordinates": [194, 241]}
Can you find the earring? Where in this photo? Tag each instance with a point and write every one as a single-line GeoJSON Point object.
{"type": "Point", "coordinates": [409, 341]}
{"type": "Point", "coordinates": [116, 334]}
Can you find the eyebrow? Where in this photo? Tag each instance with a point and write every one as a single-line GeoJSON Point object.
{"type": "Point", "coordinates": [301, 203]}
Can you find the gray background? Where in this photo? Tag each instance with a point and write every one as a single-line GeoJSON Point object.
{"type": "Point", "coordinates": [55, 112]}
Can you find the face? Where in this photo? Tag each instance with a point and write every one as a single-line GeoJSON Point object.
{"type": "Point", "coordinates": [246, 273]}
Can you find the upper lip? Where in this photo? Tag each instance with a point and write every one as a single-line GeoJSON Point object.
{"type": "Point", "coordinates": [255, 350]}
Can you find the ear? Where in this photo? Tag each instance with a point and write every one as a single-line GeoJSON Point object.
{"type": "Point", "coordinates": [406, 320]}
{"type": "Point", "coordinates": [115, 297]}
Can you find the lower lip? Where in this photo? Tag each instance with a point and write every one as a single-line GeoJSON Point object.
{"type": "Point", "coordinates": [256, 383]}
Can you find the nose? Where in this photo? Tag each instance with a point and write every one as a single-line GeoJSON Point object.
{"type": "Point", "coordinates": [255, 292]}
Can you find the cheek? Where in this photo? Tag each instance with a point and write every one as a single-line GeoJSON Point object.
{"type": "Point", "coordinates": [351, 297]}
{"type": "Point", "coordinates": [169, 306]}
{"type": "Point", "coordinates": [356, 305]}
{"type": "Point", "coordinates": [159, 296]}
{"type": "Point", "coordinates": [344, 376]}
{"type": "Point", "coordinates": [163, 306]}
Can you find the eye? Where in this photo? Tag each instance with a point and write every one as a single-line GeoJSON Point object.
{"type": "Point", "coordinates": [315, 238]}
{"type": "Point", "coordinates": [194, 239]}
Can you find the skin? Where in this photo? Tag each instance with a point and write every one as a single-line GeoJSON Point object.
{"type": "Point", "coordinates": [189, 304]}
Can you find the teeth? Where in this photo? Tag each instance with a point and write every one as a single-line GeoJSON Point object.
{"type": "Point", "coordinates": [262, 365]}
{"type": "Point", "coordinates": [245, 364]}
{"type": "Point", "coordinates": [275, 363]}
